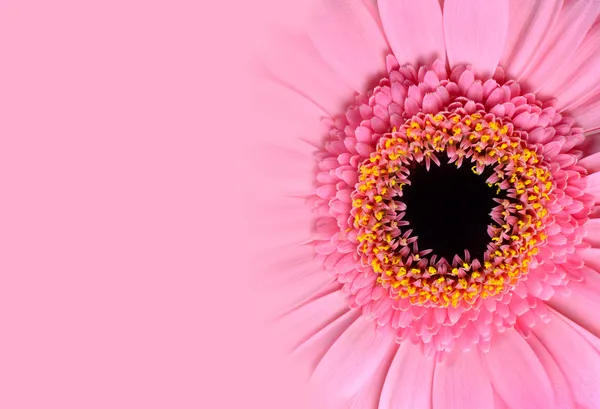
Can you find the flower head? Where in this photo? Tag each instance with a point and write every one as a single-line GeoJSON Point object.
{"type": "Point", "coordinates": [455, 205]}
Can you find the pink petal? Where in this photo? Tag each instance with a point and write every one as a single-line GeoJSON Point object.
{"type": "Point", "coordinates": [309, 318]}
{"type": "Point", "coordinates": [350, 41]}
{"type": "Point", "coordinates": [574, 21]}
{"type": "Point", "coordinates": [517, 374]}
{"type": "Point", "coordinates": [353, 359]}
{"type": "Point", "coordinates": [587, 115]}
{"type": "Point", "coordinates": [311, 350]}
{"type": "Point", "coordinates": [409, 380]}
{"type": "Point", "coordinates": [461, 382]}
{"type": "Point", "coordinates": [576, 358]}
{"type": "Point", "coordinates": [296, 64]}
{"type": "Point", "coordinates": [402, 19]}
{"type": "Point", "coordinates": [529, 23]}
{"type": "Point", "coordinates": [584, 297]}
{"type": "Point", "coordinates": [560, 385]}
{"type": "Point", "coordinates": [475, 32]}
{"type": "Point", "coordinates": [594, 185]}
{"type": "Point", "coordinates": [593, 230]}
{"type": "Point", "coordinates": [591, 163]}
{"type": "Point", "coordinates": [579, 78]}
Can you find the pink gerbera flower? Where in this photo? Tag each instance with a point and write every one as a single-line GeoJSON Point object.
{"type": "Point", "coordinates": [452, 203]}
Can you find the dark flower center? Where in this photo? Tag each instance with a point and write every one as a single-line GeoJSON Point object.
{"type": "Point", "coordinates": [449, 208]}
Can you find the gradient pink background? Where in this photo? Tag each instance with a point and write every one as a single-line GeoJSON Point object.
{"type": "Point", "coordinates": [125, 258]}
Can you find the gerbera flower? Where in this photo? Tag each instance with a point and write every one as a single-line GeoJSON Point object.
{"type": "Point", "coordinates": [454, 251]}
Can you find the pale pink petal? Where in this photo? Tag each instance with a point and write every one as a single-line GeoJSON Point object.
{"type": "Point", "coordinates": [295, 63]}
{"type": "Point", "coordinates": [529, 23]}
{"type": "Point", "coordinates": [591, 162]}
{"type": "Point", "coordinates": [574, 21]}
{"type": "Point", "coordinates": [409, 380]}
{"type": "Point", "coordinates": [369, 395]}
{"type": "Point", "coordinates": [579, 78]}
{"type": "Point", "coordinates": [588, 115]}
{"type": "Point", "coordinates": [584, 297]}
{"type": "Point", "coordinates": [401, 19]}
{"type": "Point", "coordinates": [350, 41]}
{"type": "Point", "coordinates": [461, 382]}
{"type": "Point", "coordinates": [594, 185]}
{"type": "Point", "coordinates": [475, 32]}
{"type": "Point", "coordinates": [353, 359]}
{"type": "Point", "coordinates": [308, 319]}
{"type": "Point", "coordinates": [310, 351]}
{"type": "Point", "coordinates": [576, 358]}
{"type": "Point", "coordinates": [591, 257]}
{"type": "Point", "coordinates": [562, 390]}
{"type": "Point", "coordinates": [516, 373]}
{"type": "Point", "coordinates": [593, 230]}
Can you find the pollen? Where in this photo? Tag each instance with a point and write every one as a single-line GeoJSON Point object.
{"type": "Point", "coordinates": [385, 244]}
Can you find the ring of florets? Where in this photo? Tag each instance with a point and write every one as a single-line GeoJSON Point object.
{"type": "Point", "coordinates": [385, 244]}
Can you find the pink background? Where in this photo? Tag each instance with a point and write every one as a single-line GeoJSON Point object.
{"type": "Point", "coordinates": [125, 259]}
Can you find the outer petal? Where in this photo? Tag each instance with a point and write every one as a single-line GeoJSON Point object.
{"type": "Point", "coordinates": [579, 78]}
{"type": "Point", "coordinates": [461, 382]}
{"type": "Point", "coordinates": [475, 33]}
{"type": "Point", "coordinates": [517, 374]}
{"type": "Point", "coordinates": [401, 19]}
{"type": "Point", "coordinates": [308, 319]}
{"type": "Point", "coordinates": [587, 115]}
{"type": "Point", "coordinates": [594, 186]}
{"type": "Point", "coordinates": [530, 21]}
{"type": "Point", "coordinates": [295, 63]}
{"type": "Point", "coordinates": [409, 380]}
{"type": "Point", "coordinates": [310, 352]}
{"type": "Point", "coordinates": [350, 41]}
{"type": "Point", "coordinates": [574, 21]}
{"type": "Point", "coordinates": [591, 162]}
{"type": "Point", "coordinates": [584, 298]}
{"type": "Point", "coordinates": [353, 360]}
{"type": "Point", "coordinates": [577, 359]}
{"type": "Point", "coordinates": [560, 385]}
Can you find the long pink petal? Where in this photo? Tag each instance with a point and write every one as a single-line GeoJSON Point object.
{"type": "Point", "coordinates": [350, 41]}
{"type": "Point", "coordinates": [574, 21]}
{"type": "Point", "coordinates": [517, 374]}
{"type": "Point", "coordinates": [562, 390]}
{"type": "Point", "coordinates": [296, 63]}
{"type": "Point", "coordinates": [461, 382]}
{"type": "Point", "coordinates": [529, 23]}
{"type": "Point", "coordinates": [593, 230]}
{"type": "Point", "coordinates": [409, 380]}
{"type": "Point", "coordinates": [310, 351]}
{"type": "Point", "coordinates": [579, 78]}
{"type": "Point", "coordinates": [594, 185]}
{"type": "Point", "coordinates": [475, 33]}
{"type": "Point", "coordinates": [587, 116]}
{"type": "Point", "coordinates": [591, 162]}
{"type": "Point", "coordinates": [310, 318]}
{"type": "Point", "coordinates": [575, 356]}
{"type": "Point", "coordinates": [584, 298]}
{"type": "Point", "coordinates": [353, 359]}
{"type": "Point", "coordinates": [401, 19]}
